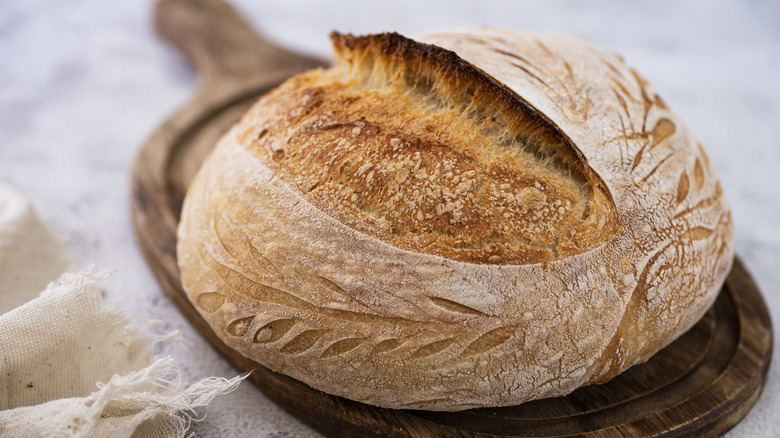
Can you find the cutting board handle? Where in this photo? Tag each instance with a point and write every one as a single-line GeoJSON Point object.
{"type": "Point", "coordinates": [222, 45]}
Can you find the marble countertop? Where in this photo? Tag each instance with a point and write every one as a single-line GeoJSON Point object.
{"type": "Point", "coordinates": [83, 83]}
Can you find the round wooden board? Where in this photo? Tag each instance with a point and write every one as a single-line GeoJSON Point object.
{"type": "Point", "coordinates": [702, 384]}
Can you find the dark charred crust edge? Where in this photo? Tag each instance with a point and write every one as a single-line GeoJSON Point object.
{"type": "Point", "coordinates": [393, 45]}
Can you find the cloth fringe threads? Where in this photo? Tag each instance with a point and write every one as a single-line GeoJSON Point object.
{"type": "Point", "coordinates": [55, 348]}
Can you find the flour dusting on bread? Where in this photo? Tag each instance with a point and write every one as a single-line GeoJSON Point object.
{"type": "Point", "coordinates": [479, 217]}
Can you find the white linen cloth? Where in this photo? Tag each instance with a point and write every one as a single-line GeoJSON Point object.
{"type": "Point", "coordinates": [69, 365]}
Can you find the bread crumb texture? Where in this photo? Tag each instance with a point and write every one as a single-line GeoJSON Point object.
{"type": "Point", "coordinates": [475, 218]}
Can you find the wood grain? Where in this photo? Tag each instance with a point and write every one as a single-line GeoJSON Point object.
{"type": "Point", "coordinates": [702, 384]}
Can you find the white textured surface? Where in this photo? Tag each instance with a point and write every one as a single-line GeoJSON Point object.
{"type": "Point", "coordinates": [83, 83]}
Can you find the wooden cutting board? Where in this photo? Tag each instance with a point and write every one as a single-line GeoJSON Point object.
{"type": "Point", "coordinates": [702, 384]}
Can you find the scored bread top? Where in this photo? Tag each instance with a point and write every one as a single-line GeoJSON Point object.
{"type": "Point", "coordinates": [480, 219]}
{"type": "Point", "coordinates": [406, 142]}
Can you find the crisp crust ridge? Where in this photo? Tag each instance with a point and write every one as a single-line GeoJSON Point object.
{"type": "Point", "coordinates": [408, 143]}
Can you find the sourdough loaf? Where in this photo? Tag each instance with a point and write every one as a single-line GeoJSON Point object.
{"type": "Point", "coordinates": [473, 218]}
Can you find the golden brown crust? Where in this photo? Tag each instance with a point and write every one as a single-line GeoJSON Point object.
{"type": "Point", "coordinates": [408, 143]}
{"type": "Point", "coordinates": [291, 244]}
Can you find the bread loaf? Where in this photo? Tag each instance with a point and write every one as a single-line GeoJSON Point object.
{"type": "Point", "coordinates": [473, 218]}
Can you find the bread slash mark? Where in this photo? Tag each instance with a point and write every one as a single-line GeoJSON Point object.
{"type": "Point", "coordinates": [490, 340]}
{"type": "Point", "coordinates": [342, 346]}
{"type": "Point", "coordinates": [239, 327]}
{"type": "Point", "coordinates": [274, 330]}
{"type": "Point", "coordinates": [433, 348]}
{"type": "Point", "coordinates": [304, 341]}
{"type": "Point", "coordinates": [453, 306]}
